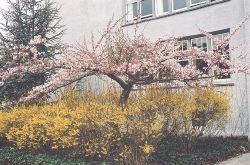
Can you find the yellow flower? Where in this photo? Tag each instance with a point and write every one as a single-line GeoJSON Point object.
{"type": "Point", "coordinates": [148, 149]}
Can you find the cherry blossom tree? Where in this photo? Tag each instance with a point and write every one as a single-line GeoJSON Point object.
{"type": "Point", "coordinates": [135, 61]}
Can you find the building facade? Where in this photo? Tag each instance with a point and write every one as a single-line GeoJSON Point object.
{"type": "Point", "coordinates": [180, 18]}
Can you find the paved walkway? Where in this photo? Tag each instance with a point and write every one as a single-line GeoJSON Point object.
{"type": "Point", "coordinates": [240, 160]}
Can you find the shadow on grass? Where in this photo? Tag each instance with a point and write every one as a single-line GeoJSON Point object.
{"type": "Point", "coordinates": [171, 151]}
{"type": "Point", "coordinates": [206, 150]}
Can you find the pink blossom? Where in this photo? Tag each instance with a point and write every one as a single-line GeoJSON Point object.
{"type": "Point", "coordinates": [37, 40]}
{"type": "Point", "coordinates": [130, 61]}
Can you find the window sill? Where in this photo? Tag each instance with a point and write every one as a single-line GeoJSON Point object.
{"type": "Point", "coordinates": [147, 16]}
{"type": "Point", "coordinates": [163, 14]}
{"type": "Point", "coordinates": [180, 10]}
{"type": "Point", "coordinates": [196, 4]}
{"type": "Point", "coordinates": [196, 7]}
{"type": "Point", "coordinates": [223, 82]}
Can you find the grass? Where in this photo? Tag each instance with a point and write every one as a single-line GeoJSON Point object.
{"type": "Point", "coordinates": [204, 151]}
{"type": "Point", "coordinates": [173, 150]}
{"type": "Point", "coordinates": [12, 156]}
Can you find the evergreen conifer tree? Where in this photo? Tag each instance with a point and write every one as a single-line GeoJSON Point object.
{"type": "Point", "coordinates": [27, 20]}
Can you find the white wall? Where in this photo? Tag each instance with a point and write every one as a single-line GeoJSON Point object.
{"type": "Point", "coordinates": [3, 5]}
{"type": "Point", "coordinates": [82, 17]}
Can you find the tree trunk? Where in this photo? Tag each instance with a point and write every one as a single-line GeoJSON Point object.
{"type": "Point", "coordinates": [126, 88]}
{"type": "Point", "coordinates": [125, 94]}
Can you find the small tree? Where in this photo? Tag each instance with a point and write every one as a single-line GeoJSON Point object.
{"type": "Point", "coordinates": [31, 29]}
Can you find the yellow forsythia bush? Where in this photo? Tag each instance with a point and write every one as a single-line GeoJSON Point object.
{"type": "Point", "coordinates": [97, 127]}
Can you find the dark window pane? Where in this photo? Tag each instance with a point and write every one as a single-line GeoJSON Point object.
{"type": "Point", "coordinates": [180, 45]}
{"type": "Point", "coordinates": [198, 42]}
{"type": "Point", "coordinates": [194, 42]}
{"type": "Point", "coordinates": [179, 4]}
{"type": "Point", "coordinates": [183, 63]}
{"type": "Point", "coordinates": [185, 45]}
{"type": "Point", "coordinates": [135, 9]}
{"type": "Point", "coordinates": [201, 65]}
{"type": "Point", "coordinates": [224, 51]}
{"type": "Point", "coordinates": [165, 5]}
{"type": "Point", "coordinates": [204, 44]}
{"type": "Point", "coordinates": [227, 49]}
{"type": "Point", "coordinates": [204, 49]}
{"type": "Point", "coordinates": [224, 66]}
{"type": "Point", "coordinates": [146, 7]}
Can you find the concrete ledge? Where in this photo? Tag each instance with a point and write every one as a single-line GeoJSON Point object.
{"type": "Point", "coordinates": [240, 160]}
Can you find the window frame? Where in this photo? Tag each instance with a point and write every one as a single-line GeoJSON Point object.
{"type": "Point", "coordinates": [157, 13]}
{"type": "Point", "coordinates": [139, 10]}
{"type": "Point", "coordinates": [181, 9]}
{"type": "Point", "coordinates": [127, 5]}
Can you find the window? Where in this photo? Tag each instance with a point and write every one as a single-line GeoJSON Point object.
{"type": "Point", "coordinates": [162, 7]}
{"type": "Point", "coordinates": [197, 2]}
{"type": "Point", "coordinates": [142, 9]}
{"type": "Point", "coordinates": [135, 8]}
{"type": "Point", "coordinates": [205, 44]}
{"type": "Point", "coordinates": [183, 62]}
{"type": "Point", "coordinates": [179, 4]}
